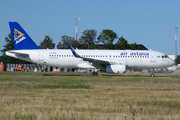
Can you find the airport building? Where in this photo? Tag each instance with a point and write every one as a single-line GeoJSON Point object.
{"type": "Point", "coordinates": [174, 57]}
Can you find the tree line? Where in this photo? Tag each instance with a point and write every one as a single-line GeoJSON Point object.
{"type": "Point", "coordinates": [87, 41]}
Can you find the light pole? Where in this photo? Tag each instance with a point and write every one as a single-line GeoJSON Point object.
{"type": "Point", "coordinates": [175, 42]}
{"type": "Point", "coordinates": [76, 25]}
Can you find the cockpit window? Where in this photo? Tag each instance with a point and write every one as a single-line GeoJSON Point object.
{"type": "Point", "coordinates": [165, 56]}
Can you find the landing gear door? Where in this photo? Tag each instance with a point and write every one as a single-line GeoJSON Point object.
{"type": "Point", "coordinates": [153, 57]}
{"type": "Point", "coordinates": [40, 56]}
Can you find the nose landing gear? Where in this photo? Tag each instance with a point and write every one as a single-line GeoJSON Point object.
{"type": "Point", "coordinates": [152, 73]}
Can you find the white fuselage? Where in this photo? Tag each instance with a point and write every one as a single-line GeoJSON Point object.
{"type": "Point", "coordinates": [141, 59]}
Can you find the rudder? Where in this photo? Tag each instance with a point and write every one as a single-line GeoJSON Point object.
{"type": "Point", "coordinates": [21, 39]}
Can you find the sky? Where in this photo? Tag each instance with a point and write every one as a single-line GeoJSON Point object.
{"type": "Point", "coordinates": [148, 22]}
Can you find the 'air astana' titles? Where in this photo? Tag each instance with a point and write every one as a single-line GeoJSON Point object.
{"type": "Point", "coordinates": [135, 53]}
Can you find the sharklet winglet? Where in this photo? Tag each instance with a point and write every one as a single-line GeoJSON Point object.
{"type": "Point", "coordinates": [73, 51]}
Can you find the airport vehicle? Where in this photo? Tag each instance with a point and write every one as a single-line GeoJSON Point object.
{"type": "Point", "coordinates": [110, 61]}
{"type": "Point", "coordinates": [20, 68]}
{"type": "Point", "coordinates": [44, 70]}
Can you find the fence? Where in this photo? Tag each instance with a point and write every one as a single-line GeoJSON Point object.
{"type": "Point", "coordinates": [31, 67]}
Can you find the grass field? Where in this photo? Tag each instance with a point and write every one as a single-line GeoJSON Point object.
{"type": "Point", "coordinates": [81, 96]}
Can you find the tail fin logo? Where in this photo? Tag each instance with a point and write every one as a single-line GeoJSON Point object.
{"type": "Point", "coordinates": [17, 35]}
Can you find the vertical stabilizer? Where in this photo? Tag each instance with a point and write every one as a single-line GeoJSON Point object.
{"type": "Point", "coordinates": [21, 39]}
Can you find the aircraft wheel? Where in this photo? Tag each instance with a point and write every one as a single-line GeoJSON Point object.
{"type": "Point", "coordinates": [152, 75]}
{"type": "Point", "coordinates": [95, 74]}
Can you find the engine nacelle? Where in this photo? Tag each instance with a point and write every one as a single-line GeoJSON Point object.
{"type": "Point", "coordinates": [116, 69]}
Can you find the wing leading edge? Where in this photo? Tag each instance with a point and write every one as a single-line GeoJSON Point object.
{"type": "Point", "coordinates": [95, 62]}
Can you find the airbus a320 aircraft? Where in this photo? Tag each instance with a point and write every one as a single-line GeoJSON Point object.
{"type": "Point", "coordinates": [110, 61]}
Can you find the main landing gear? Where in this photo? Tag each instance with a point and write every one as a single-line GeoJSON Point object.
{"type": "Point", "coordinates": [94, 73]}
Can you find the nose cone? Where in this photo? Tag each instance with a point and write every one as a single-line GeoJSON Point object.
{"type": "Point", "coordinates": [172, 62]}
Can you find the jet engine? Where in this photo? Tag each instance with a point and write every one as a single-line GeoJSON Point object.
{"type": "Point", "coordinates": [118, 69]}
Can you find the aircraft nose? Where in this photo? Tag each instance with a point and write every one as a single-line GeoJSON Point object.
{"type": "Point", "coordinates": [173, 62]}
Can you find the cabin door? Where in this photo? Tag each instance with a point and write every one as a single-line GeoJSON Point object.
{"type": "Point", "coordinates": [40, 56]}
{"type": "Point", "coordinates": [153, 57]}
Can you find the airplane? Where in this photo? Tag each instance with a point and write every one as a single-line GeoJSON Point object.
{"type": "Point", "coordinates": [109, 61]}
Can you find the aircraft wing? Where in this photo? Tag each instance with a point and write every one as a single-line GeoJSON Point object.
{"type": "Point", "coordinates": [95, 62]}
